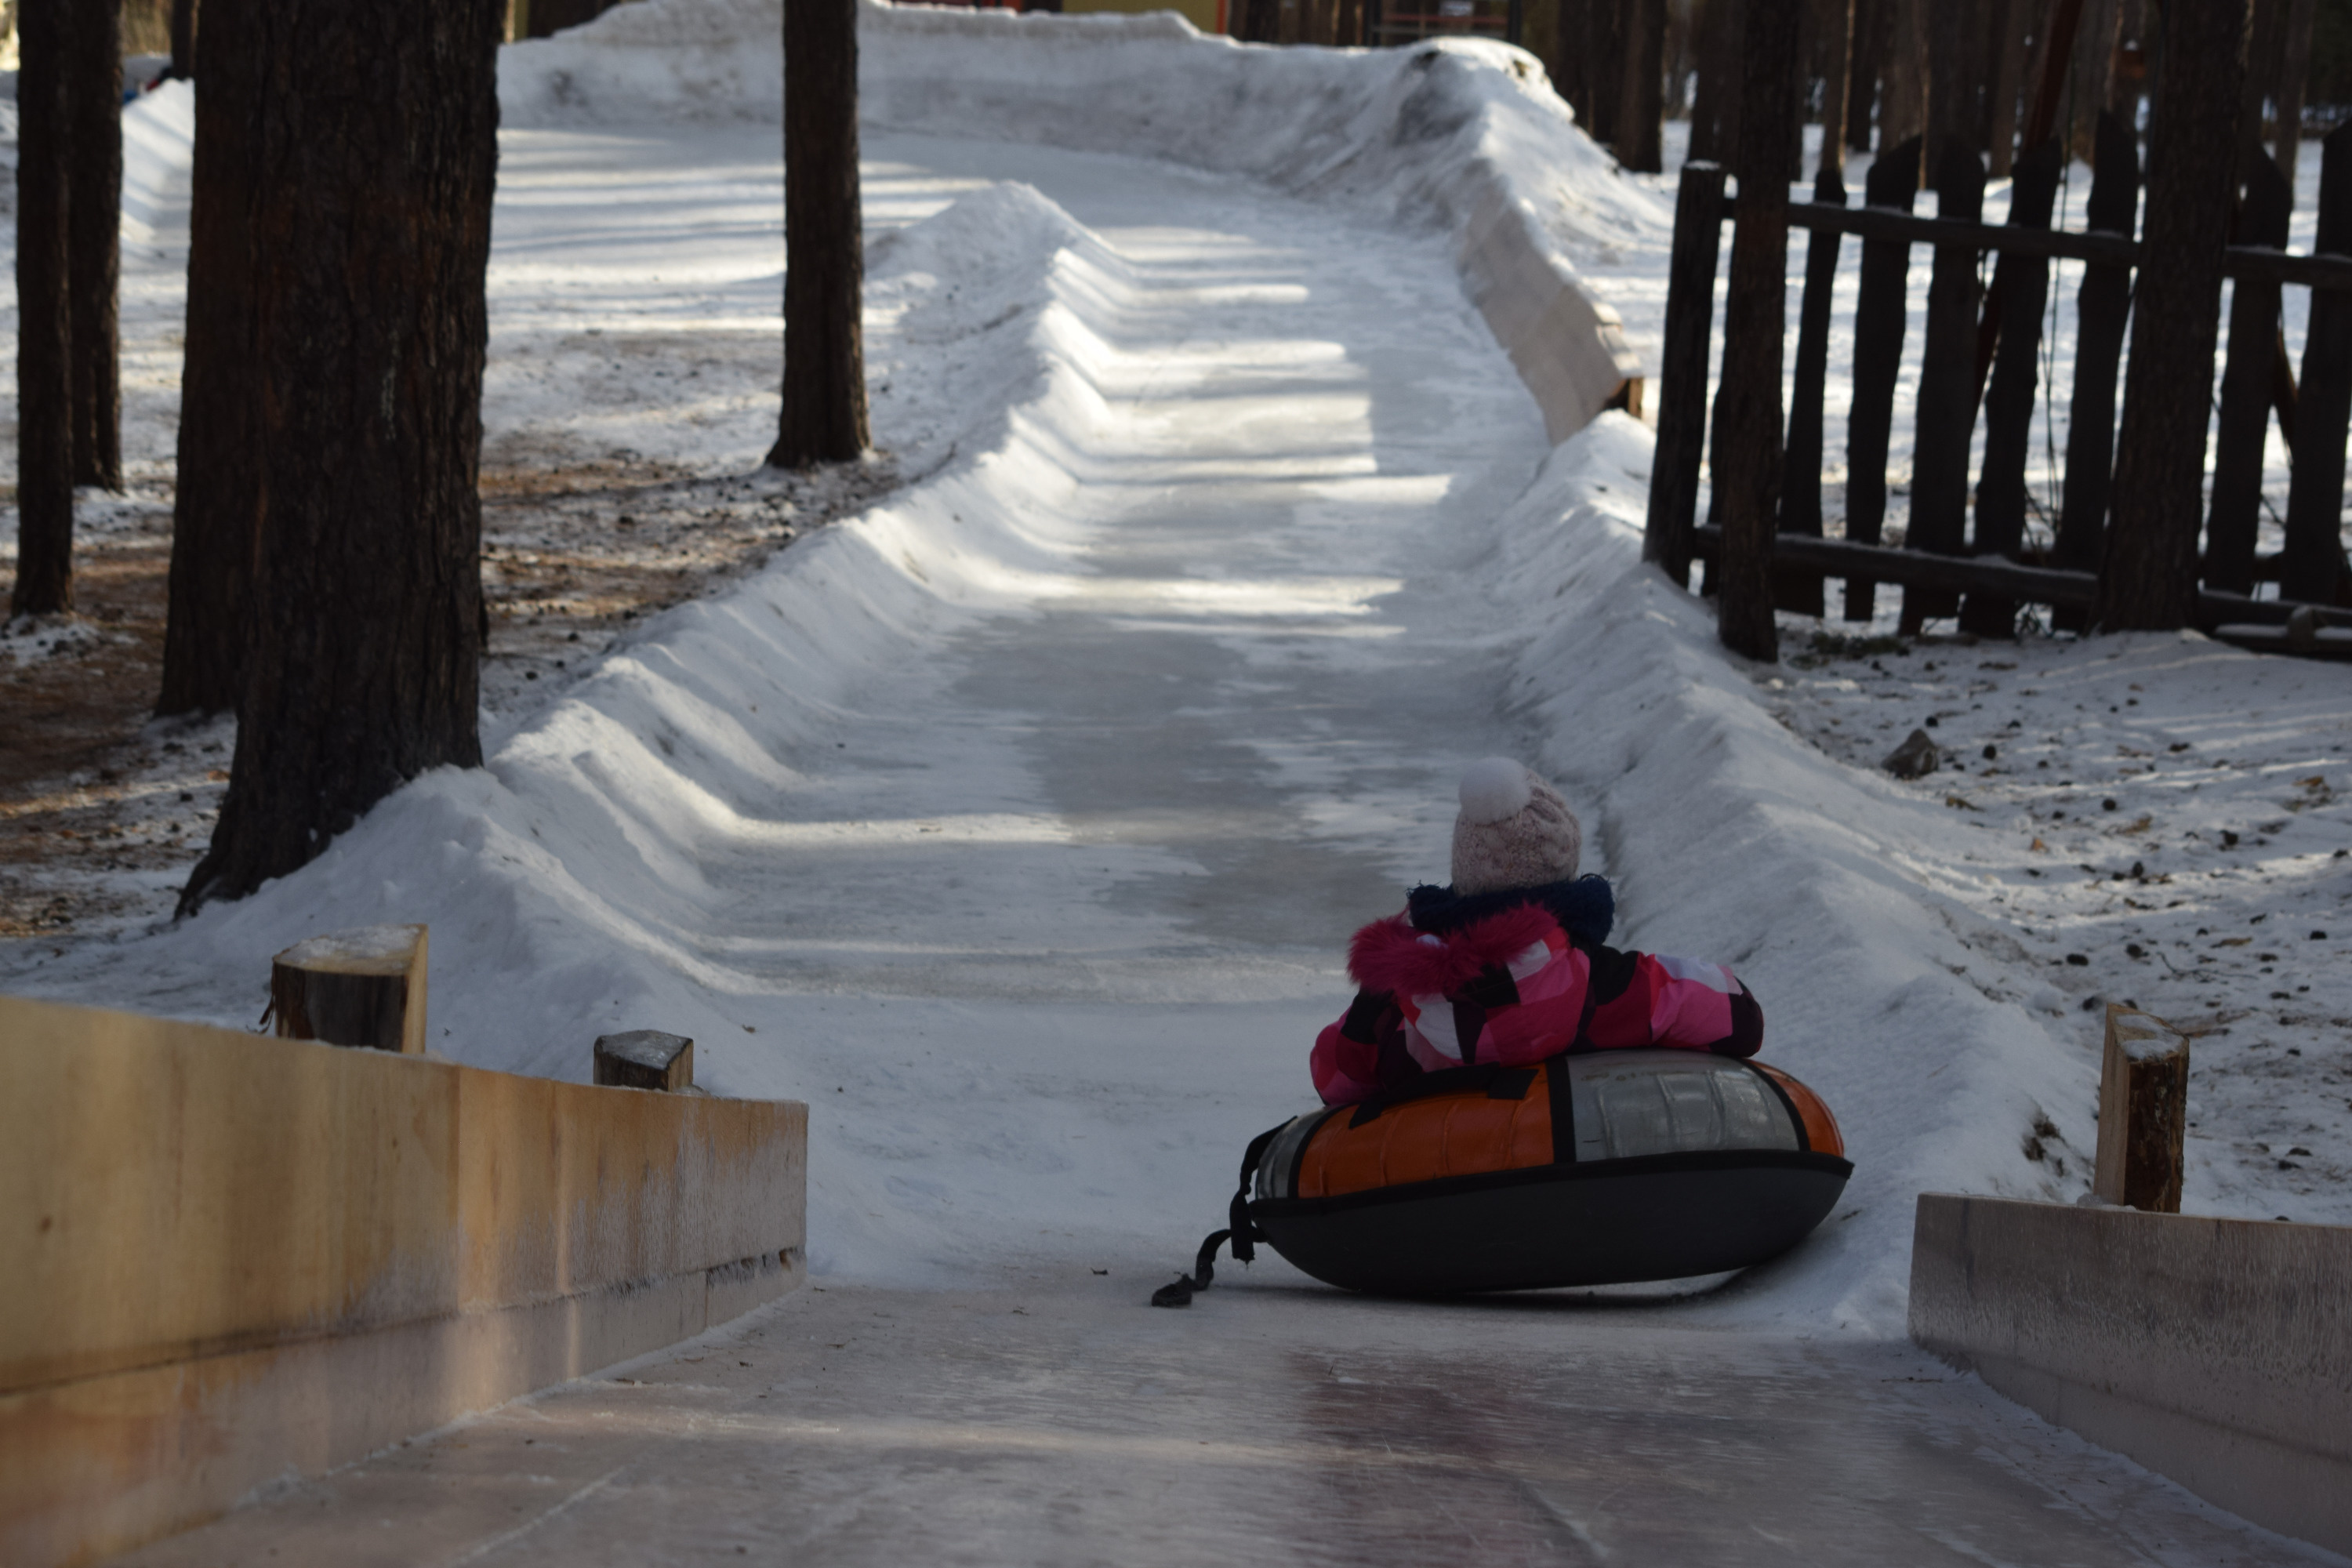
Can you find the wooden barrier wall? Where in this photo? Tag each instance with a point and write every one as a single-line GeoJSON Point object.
{"type": "Point", "coordinates": [229, 1258]}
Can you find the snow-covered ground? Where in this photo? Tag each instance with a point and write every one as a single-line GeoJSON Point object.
{"type": "Point", "coordinates": [1018, 823]}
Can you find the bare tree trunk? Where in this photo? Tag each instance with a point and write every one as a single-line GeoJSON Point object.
{"type": "Point", "coordinates": [2148, 579]}
{"type": "Point", "coordinates": [1837, 45]}
{"type": "Point", "coordinates": [45, 471]}
{"type": "Point", "coordinates": [2294, 70]}
{"type": "Point", "coordinates": [183, 39]}
{"type": "Point", "coordinates": [1570, 61]}
{"type": "Point", "coordinates": [2265, 33]}
{"type": "Point", "coordinates": [1608, 67]}
{"type": "Point", "coordinates": [1868, 51]}
{"type": "Point", "coordinates": [1714, 111]}
{"type": "Point", "coordinates": [1260, 21]}
{"type": "Point", "coordinates": [1903, 99]}
{"type": "Point", "coordinates": [2094, 59]}
{"type": "Point", "coordinates": [1747, 406]}
{"type": "Point", "coordinates": [94, 235]}
{"type": "Point", "coordinates": [1640, 106]}
{"type": "Point", "coordinates": [1954, 33]}
{"type": "Point", "coordinates": [216, 499]}
{"type": "Point", "coordinates": [373, 175]}
{"type": "Point", "coordinates": [824, 417]}
{"type": "Point", "coordinates": [2005, 63]}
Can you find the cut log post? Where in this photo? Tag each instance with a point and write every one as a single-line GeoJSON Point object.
{"type": "Point", "coordinates": [1879, 309]}
{"type": "Point", "coordinates": [2235, 521]}
{"type": "Point", "coordinates": [2143, 1112]}
{"type": "Point", "coordinates": [1947, 403]}
{"type": "Point", "coordinates": [646, 1058]}
{"type": "Point", "coordinates": [2102, 309]}
{"type": "Point", "coordinates": [363, 987]}
{"type": "Point", "coordinates": [1682, 391]}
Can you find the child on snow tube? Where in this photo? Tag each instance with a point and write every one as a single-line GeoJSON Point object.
{"type": "Point", "coordinates": [1508, 965]}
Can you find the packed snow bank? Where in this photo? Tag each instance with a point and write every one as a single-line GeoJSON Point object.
{"type": "Point", "coordinates": [1462, 137]}
{"type": "Point", "coordinates": [1814, 879]}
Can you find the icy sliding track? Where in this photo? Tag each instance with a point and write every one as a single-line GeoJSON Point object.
{"type": "Point", "coordinates": [1018, 827]}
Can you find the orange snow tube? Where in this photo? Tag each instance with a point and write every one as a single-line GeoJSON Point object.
{"type": "Point", "coordinates": [1584, 1170]}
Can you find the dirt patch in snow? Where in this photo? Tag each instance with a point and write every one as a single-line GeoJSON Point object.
{"type": "Point", "coordinates": [104, 810]}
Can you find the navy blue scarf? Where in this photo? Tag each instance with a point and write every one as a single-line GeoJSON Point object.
{"type": "Point", "coordinates": [1583, 906]}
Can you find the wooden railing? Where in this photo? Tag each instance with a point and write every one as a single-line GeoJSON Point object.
{"type": "Point", "coordinates": [1972, 361]}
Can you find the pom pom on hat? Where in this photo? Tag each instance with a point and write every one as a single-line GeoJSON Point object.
{"type": "Point", "coordinates": [1515, 831]}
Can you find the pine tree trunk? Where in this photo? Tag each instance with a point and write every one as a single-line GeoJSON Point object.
{"type": "Point", "coordinates": [1837, 80]}
{"type": "Point", "coordinates": [2148, 580]}
{"type": "Point", "coordinates": [216, 499]}
{"type": "Point", "coordinates": [1955, 90]}
{"type": "Point", "coordinates": [2094, 66]}
{"type": "Point", "coordinates": [94, 231]}
{"type": "Point", "coordinates": [2294, 70]}
{"type": "Point", "coordinates": [1747, 406]}
{"type": "Point", "coordinates": [1903, 98]}
{"type": "Point", "coordinates": [1640, 101]}
{"type": "Point", "coordinates": [45, 477]}
{"type": "Point", "coordinates": [1868, 54]}
{"type": "Point", "coordinates": [1714, 111]}
{"type": "Point", "coordinates": [1608, 66]}
{"type": "Point", "coordinates": [373, 174]}
{"type": "Point", "coordinates": [824, 417]}
{"type": "Point", "coordinates": [183, 39]}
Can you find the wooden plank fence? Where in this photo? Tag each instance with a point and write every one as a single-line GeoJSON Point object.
{"type": "Point", "coordinates": [1982, 576]}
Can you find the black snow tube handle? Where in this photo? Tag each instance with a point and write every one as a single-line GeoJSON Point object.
{"type": "Point", "coordinates": [1239, 1230]}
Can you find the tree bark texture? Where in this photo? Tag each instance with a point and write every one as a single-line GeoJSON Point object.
{"type": "Point", "coordinates": [1641, 101]}
{"type": "Point", "coordinates": [1755, 321]}
{"type": "Point", "coordinates": [373, 170]}
{"type": "Point", "coordinates": [1715, 108]}
{"type": "Point", "coordinates": [45, 475]}
{"type": "Point", "coordinates": [94, 235]}
{"type": "Point", "coordinates": [1902, 95]}
{"type": "Point", "coordinates": [183, 39]}
{"type": "Point", "coordinates": [1837, 45]}
{"type": "Point", "coordinates": [2093, 67]}
{"type": "Point", "coordinates": [2265, 33]}
{"type": "Point", "coordinates": [1867, 55]}
{"type": "Point", "coordinates": [824, 417]}
{"type": "Point", "coordinates": [2294, 72]}
{"type": "Point", "coordinates": [2004, 71]}
{"type": "Point", "coordinates": [2148, 580]}
{"type": "Point", "coordinates": [1606, 40]}
{"type": "Point", "coordinates": [216, 499]}
{"type": "Point", "coordinates": [1956, 80]}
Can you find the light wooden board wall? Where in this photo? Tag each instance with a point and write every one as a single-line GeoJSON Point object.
{"type": "Point", "coordinates": [229, 1257]}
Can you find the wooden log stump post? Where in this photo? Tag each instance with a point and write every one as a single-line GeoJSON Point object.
{"type": "Point", "coordinates": [2143, 1112]}
{"type": "Point", "coordinates": [646, 1058]}
{"type": "Point", "coordinates": [363, 987]}
{"type": "Point", "coordinates": [1800, 473]}
{"type": "Point", "coordinates": [1948, 393]}
{"type": "Point", "coordinates": [2234, 525]}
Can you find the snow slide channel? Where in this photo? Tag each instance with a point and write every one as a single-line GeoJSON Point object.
{"type": "Point", "coordinates": [1018, 825]}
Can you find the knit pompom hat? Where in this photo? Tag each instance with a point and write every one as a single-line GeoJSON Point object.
{"type": "Point", "coordinates": [1515, 831]}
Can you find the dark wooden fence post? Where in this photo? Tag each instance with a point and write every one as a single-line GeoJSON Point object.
{"type": "Point", "coordinates": [2313, 557]}
{"type": "Point", "coordinates": [2148, 580]}
{"type": "Point", "coordinates": [1682, 374]}
{"type": "Point", "coordinates": [2233, 525]}
{"type": "Point", "coordinates": [1878, 320]}
{"type": "Point", "coordinates": [1801, 470]}
{"type": "Point", "coordinates": [2023, 282]}
{"type": "Point", "coordinates": [1947, 405]}
{"type": "Point", "coordinates": [2102, 309]}
{"type": "Point", "coordinates": [1755, 326]}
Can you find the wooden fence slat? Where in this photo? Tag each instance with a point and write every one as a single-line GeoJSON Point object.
{"type": "Point", "coordinates": [1682, 374]}
{"type": "Point", "coordinates": [1801, 482]}
{"type": "Point", "coordinates": [2314, 555]}
{"type": "Point", "coordinates": [2102, 309]}
{"type": "Point", "coordinates": [1939, 463]}
{"type": "Point", "coordinates": [2245, 428]}
{"type": "Point", "coordinates": [1878, 320]}
{"type": "Point", "coordinates": [2023, 282]}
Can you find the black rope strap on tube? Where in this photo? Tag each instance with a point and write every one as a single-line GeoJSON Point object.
{"type": "Point", "coordinates": [1179, 1291]}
